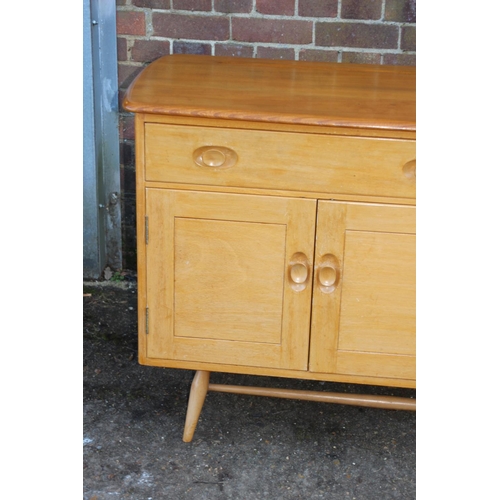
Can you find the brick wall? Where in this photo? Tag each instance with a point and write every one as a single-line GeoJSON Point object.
{"type": "Point", "coordinates": [348, 31]}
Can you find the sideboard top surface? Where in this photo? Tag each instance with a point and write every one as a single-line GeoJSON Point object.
{"type": "Point", "coordinates": [291, 92]}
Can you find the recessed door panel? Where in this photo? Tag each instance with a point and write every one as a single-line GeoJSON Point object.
{"type": "Point", "coordinates": [225, 286]}
{"type": "Point", "coordinates": [378, 293]}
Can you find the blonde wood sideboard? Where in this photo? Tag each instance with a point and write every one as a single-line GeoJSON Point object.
{"type": "Point", "coordinates": [276, 223]}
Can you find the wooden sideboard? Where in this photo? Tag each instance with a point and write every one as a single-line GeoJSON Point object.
{"type": "Point", "coordinates": [276, 223]}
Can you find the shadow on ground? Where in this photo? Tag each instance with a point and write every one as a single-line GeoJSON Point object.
{"type": "Point", "coordinates": [245, 447]}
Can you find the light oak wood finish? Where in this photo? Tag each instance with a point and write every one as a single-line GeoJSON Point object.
{"type": "Point", "coordinates": [280, 127]}
{"type": "Point", "coordinates": [300, 162]}
{"type": "Point", "coordinates": [279, 192]}
{"type": "Point", "coordinates": [312, 93]}
{"type": "Point", "coordinates": [199, 389]}
{"type": "Point", "coordinates": [387, 402]}
{"type": "Point", "coordinates": [285, 373]}
{"type": "Point", "coordinates": [228, 301]}
{"type": "Point", "coordinates": [367, 325]}
{"type": "Point", "coordinates": [276, 223]}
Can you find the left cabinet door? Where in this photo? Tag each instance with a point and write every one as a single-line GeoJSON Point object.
{"type": "Point", "coordinates": [219, 281]}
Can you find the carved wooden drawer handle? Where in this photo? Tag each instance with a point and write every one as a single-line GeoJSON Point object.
{"type": "Point", "coordinates": [328, 273]}
{"type": "Point", "coordinates": [410, 169]}
{"type": "Point", "coordinates": [298, 272]}
{"type": "Point", "coordinates": [215, 157]}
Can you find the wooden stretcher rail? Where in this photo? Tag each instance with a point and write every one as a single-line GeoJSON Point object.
{"type": "Point", "coordinates": [387, 402]}
{"type": "Point", "coordinates": [201, 385]}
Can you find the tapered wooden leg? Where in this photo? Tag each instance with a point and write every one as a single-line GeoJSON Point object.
{"type": "Point", "coordinates": [199, 389]}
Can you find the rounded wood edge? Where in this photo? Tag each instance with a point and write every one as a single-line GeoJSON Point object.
{"type": "Point", "coordinates": [278, 372]}
{"type": "Point", "coordinates": [279, 127]}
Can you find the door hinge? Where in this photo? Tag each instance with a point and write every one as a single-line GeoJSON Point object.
{"type": "Point", "coordinates": [147, 229]}
{"type": "Point", "coordinates": [147, 320]}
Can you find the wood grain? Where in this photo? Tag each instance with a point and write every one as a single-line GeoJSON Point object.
{"type": "Point", "coordinates": [387, 402]}
{"type": "Point", "coordinates": [213, 294]}
{"type": "Point", "coordinates": [279, 160]}
{"type": "Point", "coordinates": [199, 388]}
{"type": "Point", "coordinates": [313, 93]}
{"type": "Point", "coordinates": [367, 325]}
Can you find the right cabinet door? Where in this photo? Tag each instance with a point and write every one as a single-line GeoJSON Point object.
{"type": "Point", "coordinates": [363, 315]}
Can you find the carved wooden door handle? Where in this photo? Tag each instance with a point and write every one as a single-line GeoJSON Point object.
{"type": "Point", "coordinates": [327, 276]}
{"type": "Point", "coordinates": [328, 273]}
{"type": "Point", "coordinates": [298, 272]}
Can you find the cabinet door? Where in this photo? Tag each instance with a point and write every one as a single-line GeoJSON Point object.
{"type": "Point", "coordinates": [218, 278]}
{"type": "Point", "coordinates": [363, 321]}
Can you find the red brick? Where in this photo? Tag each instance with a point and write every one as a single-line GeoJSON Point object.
{"type": "Point", "coordinates": [233, 6]}
{"type": "Point", "coordinates": [152, 4]}
{"type": "Point", "coordinates": [121, 46]}
{"type": "Point", "coordinates": [130, 22]}
{"type": "Point", "coordinates": [400, 59]}
{"type": "Point", "coordinates": [403, 11]}
{"type": "Point", "coordinates": [366, 9]}
{"type": "Point", "coordinates": [180, 47]}
{"type": "Point", "coordinates": [233, 50]}
{"type": "Point", "coordinates": [275, 53]}
{"type": "Point", "coordinates": [149, 50]}
{"type": "Point", "coordinates": [361, 57]}
{"type": "Point", "coordinates": [318, 8]}
{"type": "Point", "coordinates": [318, 55]}
{"type": "Point", "coordinates": [409, 38]}
{"type": "Point", "coordinates": [359, 35]}
{"type": "Point", "coordinates": [191, 27]}
{"type": "Point", "coordinates": [278, 7]}
{"type": "Point", "coordinates": [199, 5]}
{"type": "Point", "coordinates": [272, 30]}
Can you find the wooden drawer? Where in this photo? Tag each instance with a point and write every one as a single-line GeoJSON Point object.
{"type": "Point", "coordinates": [280, 160]}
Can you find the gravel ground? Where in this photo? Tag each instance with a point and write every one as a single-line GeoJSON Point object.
{"type": "Point", "coordinates": [245, 447]}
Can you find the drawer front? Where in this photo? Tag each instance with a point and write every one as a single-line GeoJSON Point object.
{"type": "Point", "coordinates": [280, 160]}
